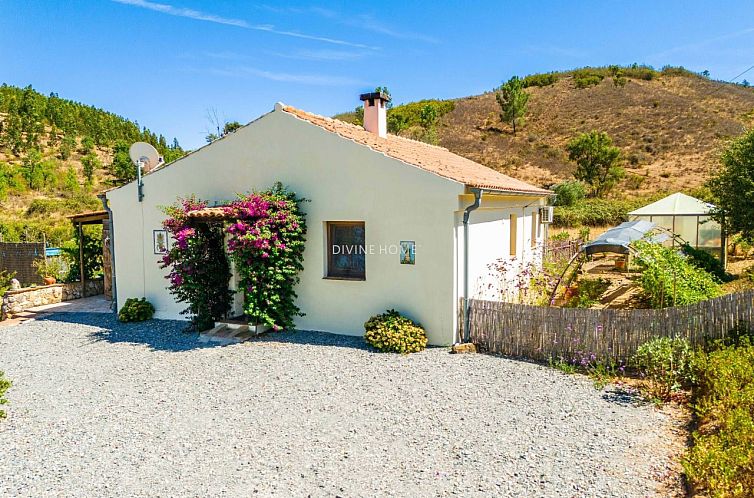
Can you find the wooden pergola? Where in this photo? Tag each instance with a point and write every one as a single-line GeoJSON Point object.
{"type": "Point", "coordinates": [79, 220]}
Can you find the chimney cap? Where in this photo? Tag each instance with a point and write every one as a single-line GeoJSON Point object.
{"type": "Point", "coordinates": [374, 96]}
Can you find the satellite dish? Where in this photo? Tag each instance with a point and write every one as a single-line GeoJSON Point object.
{"type": "Point", "coordinates": [144, 156]}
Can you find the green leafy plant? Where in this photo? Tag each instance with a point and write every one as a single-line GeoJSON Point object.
{"type": "Point", "coordinates": [569, 192]}
{"type": "Point", "coordinates": [667, 364]}
{"type": "Point", "coordinates": [589, 293]}
{"type": "Point", "coordinates": [731, 186]}
{"type": "Point", "coordinates": [5, 277]}
{"type": "Point", "coordinates": [4, 386]}
{"type": "Point", "coordinates": [598, 212]}
{"type": "Point", "coordinates": [707, 262]}
{"type": "Point", "coordinates": [199, 267]}
{"type": "Point", "coordinates": [50, 267]}
{"type": "Point", "coordinates": [266, 241]}
{"type": "Point", "coordinates": [92, 242]}
{"type": "Point", "coordinates": [584, 78]}
{"type": "Point", "coordinates": [392, 332]}
{"type": "Point", "coordinates": [540, 80]}
{"type": "Point", "coordinates": [136, 310]}
{"type": "Point", "coordinates": [720, 462]}
{"type": "Point", "coordinates": [668, 278]}
{"type": "Point", "coordinates": [597, 161]}
{"type": "Point", "coordinates": [513, 101]}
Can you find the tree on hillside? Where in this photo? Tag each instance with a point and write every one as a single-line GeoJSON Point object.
{"type": "Point", "coordinates": [122, 168]}
{"type": "Point", "coordinates": [512, 100]}
{"type": "Point", "coordinates": [733, 187]}
{"type": "Point", "coordinates": [90, 163]}
{"type": "Point", "coordinates": [66, 146]}
{"type": "Point", "coordinates": [428, 117]}
{"type": "Point", "coordinates": [597, 161]}
{"type": "Point", "coordinates": [31, 168]}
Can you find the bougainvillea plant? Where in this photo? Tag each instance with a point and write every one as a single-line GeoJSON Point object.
{"type": "Point", "coordinates": [199, 267]}
{"type": "Point", "coordinates": [266, 236]}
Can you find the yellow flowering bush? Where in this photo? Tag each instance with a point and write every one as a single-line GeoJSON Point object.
{"type": "Point", "coordinates": [391, 332]}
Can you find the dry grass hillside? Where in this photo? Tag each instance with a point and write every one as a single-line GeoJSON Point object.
{"type": "Point", "coordinates": [670, 129]}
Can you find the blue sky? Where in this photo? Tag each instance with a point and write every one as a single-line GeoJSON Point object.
{"type": "Point", "coordinates": [164, 63]}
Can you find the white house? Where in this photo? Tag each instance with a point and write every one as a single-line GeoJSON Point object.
{"type": "Point", "coordinates": [363, 184]}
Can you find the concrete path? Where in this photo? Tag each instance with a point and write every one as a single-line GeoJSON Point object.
{"type": "Point", "coordinates": [94, 304]}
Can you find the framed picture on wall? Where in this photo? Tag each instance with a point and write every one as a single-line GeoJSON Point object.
{"type": "Point", "coordinates": [408, 252]}
{"type": "Point", "coordinates": [160, 241]}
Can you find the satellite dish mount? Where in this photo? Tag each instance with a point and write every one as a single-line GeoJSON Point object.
{"type": "Point", "coordinates": [145, 158]}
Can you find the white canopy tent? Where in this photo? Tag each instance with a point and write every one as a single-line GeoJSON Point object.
{"type": "Point", "coordinates": [687, 217]}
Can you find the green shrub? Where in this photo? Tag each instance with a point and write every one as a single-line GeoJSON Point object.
{"type": "Point", "coordinates": [721, 460]}
{"type": "Point", "coordinates": [5, 277]}
{"type": "Point", "coordinates": [707, 262]}
{"type": "Point", "coordinates": [4, 386]}
{"type": "Point", "coordinates": [667, 364]}
{"type": "Point", "coordinates": [589, 294]}
{"type": "Point", "coordinates": [584, 78]}
{"type": "Point", "coordinates": [569, 192]}
{"type": "Point", "coordinates": [634, 181]}
{"type": "Point", "coordinates": [668, 278]}
{"type": "Point", "coordinates": [92, 254]}
{"type": "Point", "coordinates": [540, 80]}
{"type": "Point", "coordinates": [594, 212]}
{"type": "Point", "coordinates": [50, 267]}
{"type": "Point", "coordinates": [136, 310]}
{"type": "Point", "coordinates": [402, 117]}
{"type": "Point", "coordinates": [391, 332]}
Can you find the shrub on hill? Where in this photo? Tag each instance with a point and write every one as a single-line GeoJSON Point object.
{"type": "Point", "coordinates": [404, 116]}
{"type": "Point", "coordinates": [584, 78]}
{"type": "Point", "coordinates": [540, 80]}
{"type": "Point", "coordinates": [569, 192]}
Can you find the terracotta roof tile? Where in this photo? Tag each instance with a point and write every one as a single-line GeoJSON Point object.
{"type": "Point", "coordinates": [208, 213]}
{"type": "Point", "coordinates": [434, 159]}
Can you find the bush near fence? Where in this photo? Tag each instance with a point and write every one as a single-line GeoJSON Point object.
{"type": "Point", "coordinates": [542, 333]}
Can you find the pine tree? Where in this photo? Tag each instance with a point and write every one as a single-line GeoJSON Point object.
{"type": "Point", "coordinates": [512, 100]}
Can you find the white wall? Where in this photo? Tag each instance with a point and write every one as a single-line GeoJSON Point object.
{"type": "Point", "coordinates": [345, 182]}
{"type": "Point", "coordinates": [489, 244]}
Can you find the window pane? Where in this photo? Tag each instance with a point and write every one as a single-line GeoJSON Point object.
{"type": "Point", "coordinates": [709, 232]}
{"type": "Point", "coordinates": [346, 250]}
{"type": "Point", "coordinates": [685, 227]}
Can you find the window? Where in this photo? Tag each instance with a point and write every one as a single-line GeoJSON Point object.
{"type": "Point", "coordinates": [534, 227]}
{"type": "Point", "coordinates": [346, 250]}
{"type": "Point", "coordinates": [514, 234]}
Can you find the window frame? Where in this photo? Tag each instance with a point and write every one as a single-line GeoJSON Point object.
{"type": "Point", "coordinates": [513, 235]}
{"type": "Point", "coordinates": [329, 266]}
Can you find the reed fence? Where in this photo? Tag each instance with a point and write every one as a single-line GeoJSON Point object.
{"type": "Point", "coordinates": [542, 333]}
{"type": "Point", "coordinates": [563, 249]}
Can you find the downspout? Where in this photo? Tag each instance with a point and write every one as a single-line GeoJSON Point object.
{"type": "Point", "coordinates": [467, 307]}
{"type": "Point", "coordinates": [111, 243]}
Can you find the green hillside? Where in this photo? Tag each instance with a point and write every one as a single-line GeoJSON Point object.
{"type": "Point", "coordinates": [55, 156]}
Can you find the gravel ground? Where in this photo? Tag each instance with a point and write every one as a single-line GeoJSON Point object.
{"type": "Point", "coordinates": [100, 408]}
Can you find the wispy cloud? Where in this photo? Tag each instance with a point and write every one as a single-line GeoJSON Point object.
{"type": "Point", "coordinates": [323, 55]}
{"type": "Point", "coordinates": [304, 79]}
{"type": "Point", "coordinates": [240, 23]}
{"type": "Point", "coordinates": [362, 21]}
{"type": "Point", "coordinates": [372, 24]}
{"type": "Point", "coordinates": [696, 46]}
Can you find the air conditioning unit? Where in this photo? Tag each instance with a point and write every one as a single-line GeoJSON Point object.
{"type": "Point", "coordinates": [546, 214]}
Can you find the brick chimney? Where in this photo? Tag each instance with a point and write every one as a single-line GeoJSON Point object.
{"type": "Point", "coordinates": [375, 112]}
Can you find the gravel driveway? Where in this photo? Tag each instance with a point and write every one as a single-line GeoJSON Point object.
{"type": "Point", "coordinates": [99, 409]}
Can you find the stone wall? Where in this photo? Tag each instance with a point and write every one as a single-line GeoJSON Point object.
{"type": "Point", "coordinates": [16, 301]}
